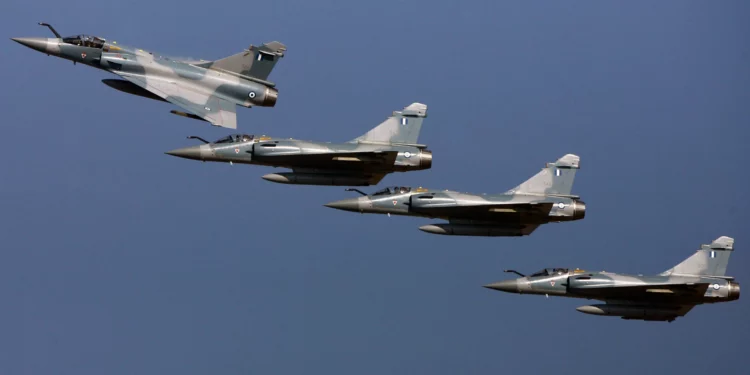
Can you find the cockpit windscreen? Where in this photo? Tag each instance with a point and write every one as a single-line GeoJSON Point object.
{"type": "Point", "coordinates": [85, 41]}
{"type": "Point", "coordinates": [393, 190]}
{"type": "Point", "coordinates": [236, 138]}
{"type": "Point", "coordinates": [549, 272]}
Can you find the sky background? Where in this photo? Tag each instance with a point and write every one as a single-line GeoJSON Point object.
{"type": "Point", "coordinates": [118, 259]}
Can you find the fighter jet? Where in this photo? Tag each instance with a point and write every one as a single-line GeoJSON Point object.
{"type": "Point", "coordinates": [542, 199]}
{"type": "Point", "coordinates": [389, 147]}
{"type": "Point", "coordinates": [699, 279]}
{"type": "Point", "coordinates": [207, 90]}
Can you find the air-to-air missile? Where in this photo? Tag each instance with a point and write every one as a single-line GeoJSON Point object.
{"type": "Point", "coordinates": [542, 199]}
{"type": "Point", "coordinates": [389, 147]}
{"type": "Point", "coordinates": [207, 90]}
{"type": "Point", "coordinates": [699, 279]}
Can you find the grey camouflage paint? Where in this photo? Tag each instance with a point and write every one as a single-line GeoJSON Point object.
{"type": "Point", "coordinates": [544, 198]}
{"type": "Point", "coordinates": [207, 90]}
{"type": "Point", "coordinates": [699, 279]}
{"type": "Point", "coordinates": [389, 147]}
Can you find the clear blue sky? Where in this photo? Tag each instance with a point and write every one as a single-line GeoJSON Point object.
{"type": "Point", "coordinates": [118, 259]}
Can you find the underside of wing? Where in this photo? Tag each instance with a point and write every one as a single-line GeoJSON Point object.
{"type": "Point", "coordinates": [679, 290]}
{"type": "Point", "coordinates": [629, 310]}
{"type": "Point", "coordinates": [518, 208]}
{"type": "Point", "coordinates": [336, 161]}
{"type": "Point", "coordinates": [211, 108]}
{"type": "Point", "coordinates": [664, 293]}
{"type": "Point", "coordinates": [488, 213]}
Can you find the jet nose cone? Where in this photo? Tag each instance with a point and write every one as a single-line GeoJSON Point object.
{"type": "Point", "coordinates": [39, 44]}
{"type": "Point", "coordinates": [510, 286]}
{"type": "Point", "coordinates": [351, 204]}
{"type": "Point", "coordinates": [187, 153]}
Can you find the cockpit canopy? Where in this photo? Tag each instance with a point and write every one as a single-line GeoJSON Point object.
{"type": "Point", "coordinates": [393, 190]}
{"type": "Point", "coordinates": [85, 41]}
{"type": "Point", "coordinates": [550, 272]}
{"type": "Point", "coordinates": [236, 138]}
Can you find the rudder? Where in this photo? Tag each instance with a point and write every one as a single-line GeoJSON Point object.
{"type": "Point", "coordinates": [256, 62]}
{"type": "Point", "coordinates": [710, 260]}
{"type": "Point", "coordinates": [555, 179]}
{"type": "Point", "coordinates": [402, 127]}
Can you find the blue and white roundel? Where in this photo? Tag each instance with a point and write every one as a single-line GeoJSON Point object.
{"type": "Point", "coordinates": [407, 154]}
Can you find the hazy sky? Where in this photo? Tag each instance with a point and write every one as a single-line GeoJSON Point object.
{"type": "Point", "coordinates": [118, 259]}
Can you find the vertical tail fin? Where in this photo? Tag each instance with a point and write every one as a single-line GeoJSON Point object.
{"type": "Point", "coordinates": [710, 260]}
{"type": "Point", "coordinates": [402, 127]}
{"type": "Point", "coordinates": [555, 178]}
{"type": "Point", "coordinates": [256, 62]}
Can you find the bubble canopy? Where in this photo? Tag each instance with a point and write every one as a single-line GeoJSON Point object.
{"type": "Point", "coordinates": [236, 138]}
{"type": "Point", "coordinates": [393, 190]}
{"type": "Point", "coordinates": [549, 272]}
{"type": "Point", "coordinates": [85, 41]}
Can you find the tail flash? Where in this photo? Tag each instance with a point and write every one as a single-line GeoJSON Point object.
{"type": "Point", "coordinates": [256, 62]}
{"type": "Point", "coordinates": [555, 179]}
{"type": "Point", "coordinates": [710, 260]}
{"type": "Point", "coordinates": [402, 127]}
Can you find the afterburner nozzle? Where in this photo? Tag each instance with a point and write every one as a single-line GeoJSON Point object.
{"type": "Point", "coordinates": [579, 210]}
{"type": "Point", "coordinates": [269, 100]}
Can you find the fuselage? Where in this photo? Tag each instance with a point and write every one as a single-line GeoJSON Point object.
{"type": "Point", "coordinates": [349, 162]}
{"type": "Point", "coordinates": [156, 70]}
{"type": "Point", "coordinates": [603, 286]}
{"type": "Point", "coordinates": [466, 207]}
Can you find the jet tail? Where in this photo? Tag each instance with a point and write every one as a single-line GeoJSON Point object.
{"type": "Point", "coordinates": [402, 127]}
{"type": "Point", "coordinates": [255, 62]}
{"type": "Point", "coordinates": [710, 260]}
{"type": "Point", "coordinates": [555, 179]}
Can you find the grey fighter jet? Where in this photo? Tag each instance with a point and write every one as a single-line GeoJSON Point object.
{"type": "Point", "coordinates": [699, 279]}
{"type": "Point", "coordinates": [389, 147]}
{"type": "Point", "coordinates": [542, 199]}
{"type": "Point", "coordinates": [207, 90]}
